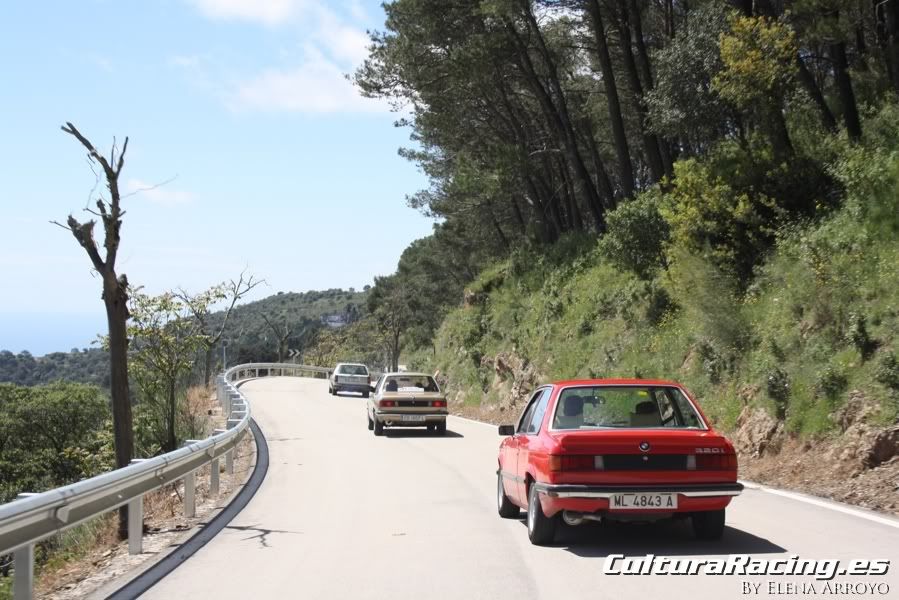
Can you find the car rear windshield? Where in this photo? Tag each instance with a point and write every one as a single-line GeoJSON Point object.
{"type": "Point", "coordinates": [625, 407]}
{"type": "Point", "coordinates": [352, 370]}
{"type": "Point", "coordinates": [411, 383]}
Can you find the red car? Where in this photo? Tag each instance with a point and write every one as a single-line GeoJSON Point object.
{"type": "Point", "coordinates": [617, 449]}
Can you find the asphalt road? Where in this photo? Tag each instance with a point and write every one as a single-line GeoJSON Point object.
{"type": "Point", "coordinates": [343, 514]}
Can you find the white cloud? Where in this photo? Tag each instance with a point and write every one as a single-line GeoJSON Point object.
{"type": "Point", "coordinates": [312, 80]}
{"type": "Point", "coordinates": [268, 12]}
{"type": "Point", "coordinates": [342, 41]}
{"type": "Point", "coordinates": [316, 85]}
{"type": "Point", "coordinates": [158, 193]}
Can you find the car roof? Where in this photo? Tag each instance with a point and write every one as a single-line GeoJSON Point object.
{"type": "Point", "coordinates": [648, 382]}
{"type": "Point", "coordinates": [407, 374]}
{"type": "Point", "coordinates": [351, 365]}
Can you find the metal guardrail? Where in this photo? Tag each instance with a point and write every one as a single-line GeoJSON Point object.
{"type": "Point", "coordinates": [34, 517]}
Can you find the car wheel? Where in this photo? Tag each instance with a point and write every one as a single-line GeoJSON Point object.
{"type": "Point", "coordinates": [371, 424]}
{"type": "Point", "coordinates": [541, 529]}
{"type": "Point", "coordinates": [709, 525]}
{"type": "Point", "coordinates": [441, 428]}
{"type": "Point", "coordinates": [365, 394]}
{"type": "Point", "coordinates": [506, 509]}
{"type": "Point", "coordinates": [379, 427]}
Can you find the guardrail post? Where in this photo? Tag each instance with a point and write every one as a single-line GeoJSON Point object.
{"type": "Point", "coordinates": [23, 565]}
{"type": "Point", "coordinates": [214, 477]}
{"type": "Point", "coordinates": [190, 489]}
{"type": "Point", "coordinates": [136, 525]}
{"type": "Point", "coordinates": [229, 455]}
{"type": "Point", "coordinates": [23, 577]}
{"type": "Point", "coordinates": [190, 494]}
{"type": "Point", "coordinates": [136, 521]}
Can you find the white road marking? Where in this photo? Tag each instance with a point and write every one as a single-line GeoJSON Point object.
{"type": "Point", "coordinates": [475, 422]}
{"type": "Point", "coordinates": [824, 503]}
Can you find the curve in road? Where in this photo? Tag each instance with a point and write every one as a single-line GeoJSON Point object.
{"type": "Point", "coordinates": [343, 514]}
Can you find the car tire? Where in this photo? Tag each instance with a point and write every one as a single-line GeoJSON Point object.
{"type": "Point", "coordinates": [379, 427]}
{"type": "Point", "coordinates": [365, 394]}
{"type": "Point", "coordinates": [708, 525]}
{"type": "Point", "coordinates": [541, 529]}
{"type": "Point", "coordinates": [371, 424]}
{"type": "Point", "coordinates": [440, 428]}
{"type": "Point", "coordinates": [504, 506]}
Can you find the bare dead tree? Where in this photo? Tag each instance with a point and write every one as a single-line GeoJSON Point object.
{"type": "Point", "coordinates": [282, 333]}
{"type": "Point", "coordinates": [200, 306]}
{"type": "Point", "coordinates": [115, 293]}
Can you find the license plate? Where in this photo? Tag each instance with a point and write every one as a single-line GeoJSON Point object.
{"type": "Point", "coordinates": [644, 501]}
{"type": "Point", "coordinates": [414, 418]}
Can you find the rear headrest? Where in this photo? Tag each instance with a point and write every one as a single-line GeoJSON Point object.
{"type": "Point", "coordinates": [645, 408]}
{"type": "Point", "coordinates": [573, 406]}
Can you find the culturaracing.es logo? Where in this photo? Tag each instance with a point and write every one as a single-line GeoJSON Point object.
{"type": "Point", "coordinates": [744, 564]}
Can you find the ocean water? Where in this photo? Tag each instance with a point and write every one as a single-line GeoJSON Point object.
{"type": "Point", "coordinates": [45, 333]}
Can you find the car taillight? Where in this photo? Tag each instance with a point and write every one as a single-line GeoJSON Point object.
{"type": "Point", "coordinates": [575, 462]}
{"type": "Point", "coordinates": [712, 462]}
{"type": "Point", "coordinates": [386, 403]}
{"type": "Point", "coordinates": [438, 403]}
{"type": "Point", "coordinates": [369, 380]}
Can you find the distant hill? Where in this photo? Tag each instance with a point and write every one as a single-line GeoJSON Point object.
{"type": "Point", "coordinates": [253, 340]}
{"type": "Point", "coordinates": [90, 365]}
{"type": "Point", "coordinates": [250, 338]}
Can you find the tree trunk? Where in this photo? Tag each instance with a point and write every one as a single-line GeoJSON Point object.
{"type": "Point", "coordinates": [626, 169]}
{"type": "Point", "coordinates": [171, 441]}
{"type": "Point", "coordinates": [783, 146]}
{"type": "Point", "coordinates": [805, 77]}
{"type": "Point", "coordinates": [650, 141]}
{"type": "Point", "coordinates": [636, 21]}
{"type": "Point", "coordinates": [844, 87]}
{"type": "Point", "coordinates": [887, 13]}
{"type": "Point", "coordinates": [115, 297]}
{"type": "Point", "coordinates": [207, 366]}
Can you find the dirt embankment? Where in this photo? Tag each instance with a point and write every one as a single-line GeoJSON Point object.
{"type": "Point", "coordinates": [859, 465]}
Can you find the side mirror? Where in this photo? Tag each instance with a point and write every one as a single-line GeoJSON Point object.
{"type": "Point", "coordinates": [506, 430]}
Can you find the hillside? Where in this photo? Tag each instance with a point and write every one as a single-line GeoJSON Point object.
{"type": "Point", "coordinates": [254, 340]}
{"type": "Point", "coordinates": [704, 191]}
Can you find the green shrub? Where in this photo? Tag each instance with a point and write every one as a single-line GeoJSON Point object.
{"type": "Point", "coordinates": [636, 235]}
{"type": "Point", "coordinates": [886, 372]}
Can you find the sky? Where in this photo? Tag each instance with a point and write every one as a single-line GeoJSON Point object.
{"type": "Point", "coordinates": [248, 149]}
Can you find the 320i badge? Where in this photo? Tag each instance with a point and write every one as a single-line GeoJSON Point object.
{"type": "Point", "coordinates": [618, 449]}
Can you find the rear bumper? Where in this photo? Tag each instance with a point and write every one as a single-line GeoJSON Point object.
{"type": "Point", "coordinates": [351, 387]}
{"type": "Point", "coordinates": [395, 419]}
{"type": "Point", "coordinates": [596, 498]}
{"type": "Point", "coordinates": [697, 490]}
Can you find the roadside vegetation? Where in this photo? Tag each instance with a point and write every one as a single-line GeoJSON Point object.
{"type": "Point", "coordinates": [704, 191]}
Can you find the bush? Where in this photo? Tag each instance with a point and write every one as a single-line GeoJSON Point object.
{"type": "Point", "coordinates": [887, 371]}
{"type": "Point", "coordinates": [636, 235]}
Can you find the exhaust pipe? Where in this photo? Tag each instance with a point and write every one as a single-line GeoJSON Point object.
{"type": "Point", "coordinates": [574, 518]}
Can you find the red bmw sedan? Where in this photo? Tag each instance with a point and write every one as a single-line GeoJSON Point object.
{"type": "Point", "coordinates": [616, 449]}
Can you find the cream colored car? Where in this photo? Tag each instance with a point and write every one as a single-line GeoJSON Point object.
{"type": "Point", "coordinates": [406, 400]}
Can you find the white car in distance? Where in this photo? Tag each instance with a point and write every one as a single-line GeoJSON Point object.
{"type": "Point", "coordinates": [349, 377]}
